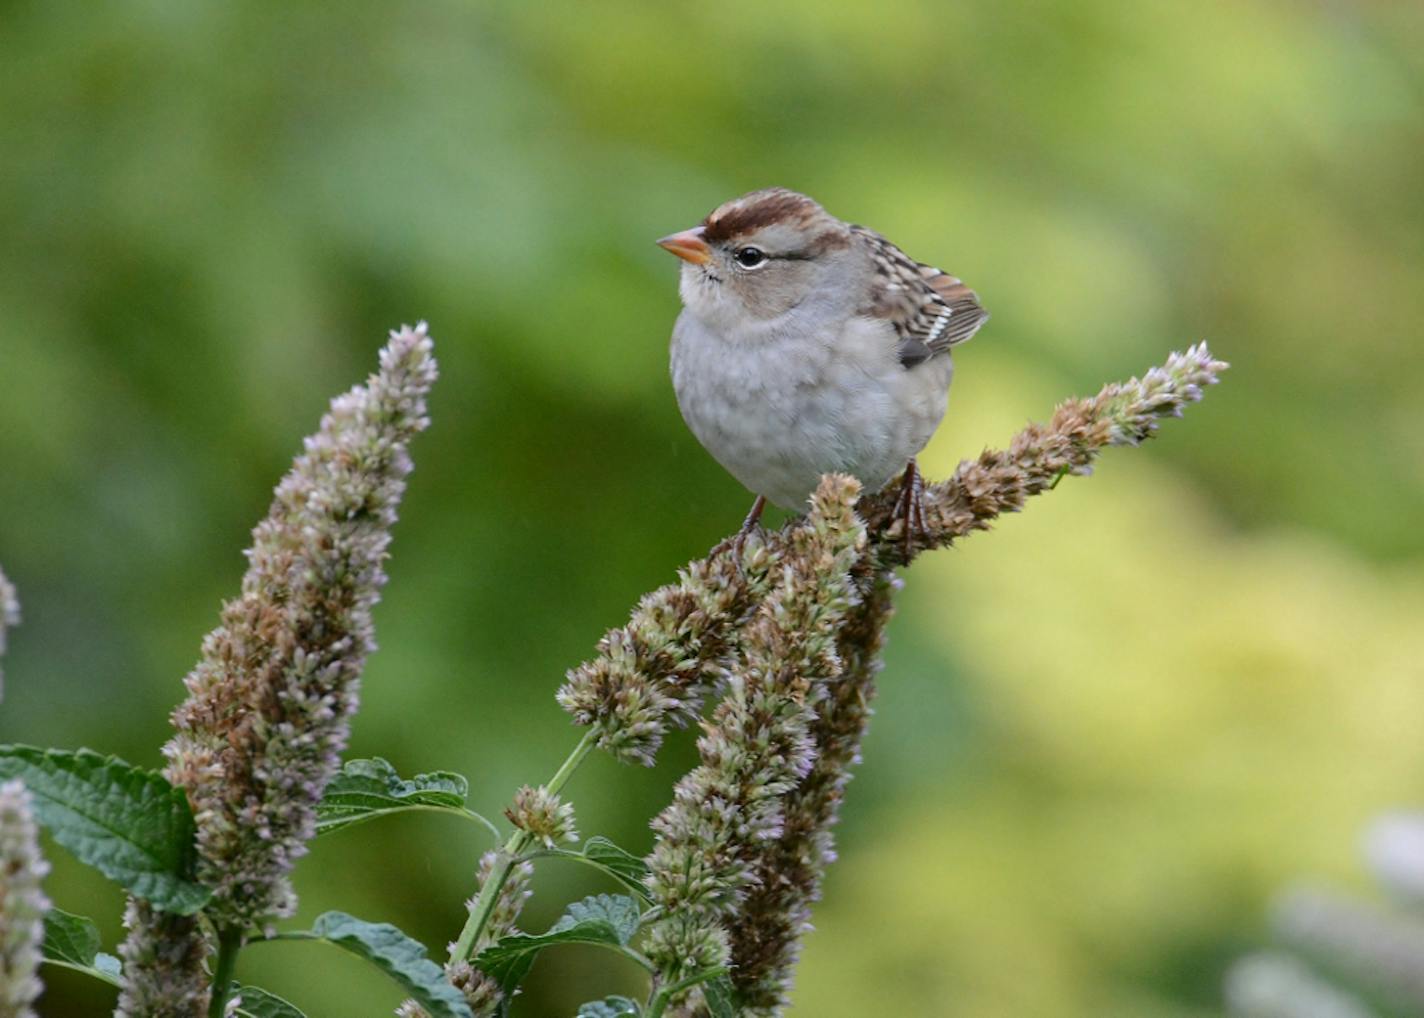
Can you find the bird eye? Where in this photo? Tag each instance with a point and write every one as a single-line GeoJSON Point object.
{"type": "Point", "coordinates": [750, 257]}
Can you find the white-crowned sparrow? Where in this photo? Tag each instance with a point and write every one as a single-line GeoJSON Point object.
{"type": "Point", "coordinates": [808, 345]}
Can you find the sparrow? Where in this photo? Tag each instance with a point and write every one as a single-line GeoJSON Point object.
{"type": "Point", "coordinates": [808, 345]}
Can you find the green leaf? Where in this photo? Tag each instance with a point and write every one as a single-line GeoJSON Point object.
{"type": "Point", "coordinates": [721, 999]}
{"type": "Point", "coordinates": [402, 958]}
{"type": "Point", "coordinates": [73, 941]}
{"type": "Point", "coordinates": [129, 824]}
{"type": "Point", "coordinates": [623, 866]}
{"type": "Point", "coordinates": [610, 1007]}
{"type": "Point", "coordinates": [70, 938]}
{"type": "Point", "coordinates": [508, 960]}
{"type": "Point", "coordinates": [258, 1003]}
{"type": "Point", "coordinates": [619, 911]}
{"type": "Point", "coordinates": [366, 789]}
{"type": "Point", "coordinates": [109, 967]}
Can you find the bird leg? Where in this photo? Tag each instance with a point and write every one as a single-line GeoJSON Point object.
{"type": "Point", "coordinates": [910, 508]}
{"type": "Point", "coordinates": [738, 541]}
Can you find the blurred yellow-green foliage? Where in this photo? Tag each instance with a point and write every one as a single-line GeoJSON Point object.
{"type": "Point", "coordinates": [1106, 732]}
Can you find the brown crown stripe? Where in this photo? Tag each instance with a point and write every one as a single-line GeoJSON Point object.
{"type": "Point", "coordinates": [751, 212]}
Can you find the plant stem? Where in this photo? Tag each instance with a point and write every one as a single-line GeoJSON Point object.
{"type": "Point", "coordinates": [510, 854]}
{"type": "Point", "coordinates": [663, 995]}
{"type": "Point", "coordinates": [229, 943]}
{"type": "Point", "coordinates": [489, 895]}
{"type": "Point", "coordinates": [571, 763]}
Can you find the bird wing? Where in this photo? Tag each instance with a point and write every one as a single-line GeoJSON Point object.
{"type": "Point", "coordinates": [930, 310]}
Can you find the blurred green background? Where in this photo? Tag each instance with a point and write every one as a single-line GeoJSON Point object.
{"type": "Point", "coordinates": [1107, 732]}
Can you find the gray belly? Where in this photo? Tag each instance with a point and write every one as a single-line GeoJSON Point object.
{"type": "Point", "coordinates": [778, 416]}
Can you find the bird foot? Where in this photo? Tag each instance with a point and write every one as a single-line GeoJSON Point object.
{"type": "Point", "coordinates": [737, 543]}
{"type": "Point", "coordinates": [910, 510]}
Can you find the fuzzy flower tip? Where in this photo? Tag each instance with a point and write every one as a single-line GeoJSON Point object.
{"type": "Point", "coordinates": [655, 672]}
{"type": "Point", "coordinates": [540, 814]}
{"type": "Point", "coordinates": [268, 705]}
{"type": "Point", "coordinates": [767, 928]}
{"type": "Point", "coordinates": [9, 616]}
{"type": "Point", "coordinates": [999, 481]}
{"type": "Point", "coordinates": [481, 992]}
{"type": "Point", "coordinates": [512, 896]}
{"type": "Point", "coordinates": [22, 903]}
{"type": "Point", "coordinates": [164, 970]}
{"type": "Point", "coordinates": [758, 745]}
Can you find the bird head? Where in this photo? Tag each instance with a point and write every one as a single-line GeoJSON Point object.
{"type": "Point", "coordinates": [763, 254]}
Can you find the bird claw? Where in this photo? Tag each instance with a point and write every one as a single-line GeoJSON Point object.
{"type": "Point", "coordinates": [910, 509]}
{"type": "Point", "coordinates": [737, 543]}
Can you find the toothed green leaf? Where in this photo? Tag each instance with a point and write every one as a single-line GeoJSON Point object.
{"type": "Point", "coordinates": [128, 823]}
{"type": "Point", "coordinates": [623, 866]}
{"type": "Point", "coordinates": [258, 1003]}
{"type": "Point", "coordinates": [401, 957]}
{"type": "Point", "coordinates": [619, 911]}
{"type": "Point", "coordinates": [367, 789]}
{"type": "Point", "coordinates": [721, 999]}
{"type": "Point", "coordinates": [73, 941]}
{"type": "Point", "coordinates": [610, 920]}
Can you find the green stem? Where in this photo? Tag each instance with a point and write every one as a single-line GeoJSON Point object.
{"type": "Point", "coordinates": [571, 763]}
{"type": "Point", "coordinates": [664, 995]}
{"type": "Point", "coordinates": [639, 958]}
{"type": "Point", "coordinates": [508, 855]}
{"type": "Point", "coordinates": [229, 943]}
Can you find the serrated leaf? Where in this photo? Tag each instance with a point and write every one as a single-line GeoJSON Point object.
{"type": "Point", "coordinates": [721, 998]}
{"type": "Point", "coordinates": [258, 1003]}
{"type": "Point", "coordinates": [623, 866]}
{"type": "Point", "coordinates": [128, 823]}
{"type": "Point", "coordinates": [401, 957]}
{"type": "Point", "coordinates": [73, 941]}
{"type": "Point", "coordinates": [610, 1007]}
{"type": "Point", "coordinates": [508, 960]}
{"type": "Point", "coordinates": [366, 789]}
{"type": "Point", "coordinates": [70, 938]}
{"type": "Point", "coordinates": [619, 911]}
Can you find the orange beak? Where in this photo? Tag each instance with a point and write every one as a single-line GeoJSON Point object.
{"type": "Point", "coordinates": [689, 246]}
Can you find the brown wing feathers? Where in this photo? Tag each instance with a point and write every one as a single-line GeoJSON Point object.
{"type": "Point", "coordinates": [930, 310]}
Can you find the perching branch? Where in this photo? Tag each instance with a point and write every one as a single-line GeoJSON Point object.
{"type": "Point", "coordinates": [999, 481]}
